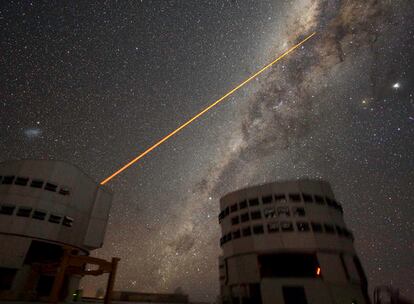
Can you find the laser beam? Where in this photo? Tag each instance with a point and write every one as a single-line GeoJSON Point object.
{"type": "Point", "coordinates": [232, 91]}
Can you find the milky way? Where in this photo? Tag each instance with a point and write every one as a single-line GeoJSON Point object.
{"type": "Point", "coordinates": [106, 81]}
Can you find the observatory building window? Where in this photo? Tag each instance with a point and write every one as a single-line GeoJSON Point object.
{"type": "Point", "coordinates": [329, 228]}
{"type": "Point", "coordinates": [243, 205]}
{"type": "Point", "coordinates": [253, 202]}
{"type": "Point", "coordinates": [236, 234]}
{"type": "Point", "coordinates": [348, 234]}
{"type": "Point", "coordinates": [255, 215]}
{"type": "Point", "coordinates": [273, 227]}
{"type": "Point", "coordinates": [286, 226]}
{"type": "Point", "coordinates": [280, 198]}
{"type": "Point", "coordinates": [288, 265]}
{"type": "Point", "coordinates": [299, 211]}
{"type": "Point", "coordinates": [67, 221]}
{"type": "Point", "coordinates": [244, 217]}
{"type": "Point", "coordinates": [338, 207]}
{"type": "Point", "coordinates": [319, 199]}
{"type": "Point", "coordinates": [316, 227]}
{"type": "Point", "coordinates": [294, 197]}
{"type": "Point", "coordinates": [269, 212]}
{"type": "Point", "coordinates": [235, 220]}
{"type": "Point", "coordinates": [39, 215]}
{"type": "Point", "coordinates": [302, 226]}
{"type": "Point", "coordinates": [7, 180]}
{"type": "Point", "coordinates": [258, 229]}
{"type": "Point", "coordinates": [50, 187]}
{"type": "Point", "coordinates": [7, 209]}
{"type": "Point", "coordinates": [283, 211]}
{"type": "Point", "coordinates": [55, 219]}
{"type": "Point", "coordinates": [307, 198]}
{"type": "Point", "coordinates": [339, 230]}
{"type": "Point", "coordinates": [21, 181]}
{"type": "Point", "coordinates": [267, 199]}
{"type": "Point", "coordinates": [233, 208]}
{"type": "Point", "coordinates": [64, 191]}
{"type": "Point", "coordinates": [228, 237]}
{"type": "Point", "coordinates": [330, 202]}
{"type": "Point", "coordinates": [36, 184]}
{"type": "Point", "coordinates": [24, 211]}
{"type": "Point", "coordinates": [246, 231]}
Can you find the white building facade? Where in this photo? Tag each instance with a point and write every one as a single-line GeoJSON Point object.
{"type": "Point", "coordinates": [286, 242]}
{"type": "Point", "coordinates": [46, 206]}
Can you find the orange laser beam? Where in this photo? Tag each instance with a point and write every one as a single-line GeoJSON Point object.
{"type": "Point", "coordinates": [123, 168]}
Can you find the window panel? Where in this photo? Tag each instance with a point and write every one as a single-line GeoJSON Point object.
{"type": "Point", "coordinates": [36, 184]}
{"type": "Point", "coordinates": [319, 199]}
{"type": "Point", "coordinates": [267, 199]}
{"type": "Point", "coordinates": [246, 231]}
{"type": "Point", "coordinates": [64, 191]}
{"type": "Point", "coordinates": [255, 215]}
{"type": "Point", "coordinates": [329, 228]}
{"type": "Point", "coordinates": [258, 229]}
{"type": "Point", "coordinates": [234, 208]}
{"type": "Point", "coordinates": [243, 204]}
{"type": "Point", "coordinates": [283, 211]}
{"type": "Point", "coordinates": [280, 198]}
{"type": "Point", "coordinates": [307, 198]}
{"type": "Point", "coordinates": [67, 221]}
{"type": "Point", "coordinates": [286, 226]}
{"type": "Point", "coordinates": [294, 197]}
{"type": "Point", "coordinates": [7, 209]}
{"type": "Point", "coordinates": [235, 220]}
{"type": "Point", "coordinates": [316, 227]}
{"type": "Point", "coordinates": [39, 215]}
{"type": "Point", "coordinates": [253, 202]}
{"type": "Point", "coordinates": [299, 211]}
{"type": "Point", "coordinates": [244, 217]}
{"type": "Point", "coordinates": [273, 227]}
{"type": "Point", "coordinates": [7, 180]}
{"type": "Point", "coordinates": [24, 211]}
{"type": "Point", "coordinates": [55, 219]}
{"type": "Point", "coordinates": [236, 234]}
{"type": "Point", "coordinates": [269, 212]}
{"type": "Point", "coordinates": [21, 181]}
{"type": "Point", "coordinates": [302, 226]}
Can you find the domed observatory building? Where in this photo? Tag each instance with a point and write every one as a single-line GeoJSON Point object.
{"type": "Point", "coordinates": [46, 207]}
{"type": "Point", "coordinates": [286, 242]}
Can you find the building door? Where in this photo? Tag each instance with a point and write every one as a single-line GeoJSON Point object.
{"type": "Point", "coordinates": [255, 294]}
{"type": "Point", "coordinates": [294, 295]}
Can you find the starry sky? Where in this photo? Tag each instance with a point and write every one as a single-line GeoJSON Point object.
{"type": "Point", "coordinates": [96, 82]}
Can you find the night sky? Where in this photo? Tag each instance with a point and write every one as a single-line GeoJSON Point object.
{"type": "Point", "coordinates": [95, 83]}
